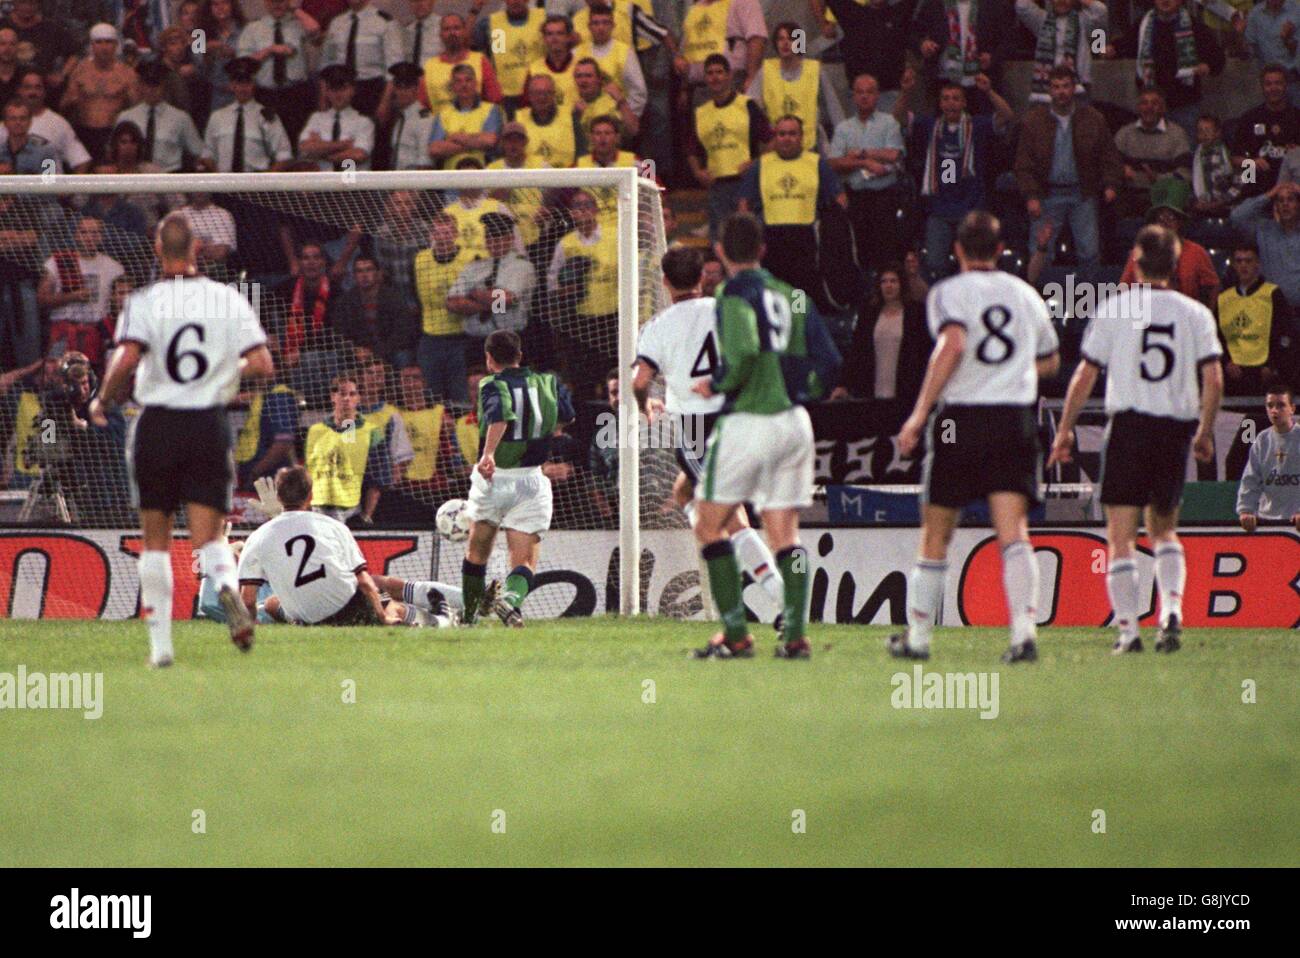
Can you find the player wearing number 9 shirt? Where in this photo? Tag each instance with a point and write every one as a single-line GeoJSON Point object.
{"type": "Point", "coordinates": [1155, 352]}
{"type": "Point", "coordinates": [994, 339]}
{"type": "Point", "coordinates": [188, 341]}
{"type": "Point", "coordinates": [775, 355]}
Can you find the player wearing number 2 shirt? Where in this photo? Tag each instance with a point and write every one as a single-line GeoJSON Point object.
{"type": "Point", "coordinates": [994, 339]}
{"type": "Point", "coordinates": [187, 340]}
{"type": "Point", "coordinates": [1163, 385]}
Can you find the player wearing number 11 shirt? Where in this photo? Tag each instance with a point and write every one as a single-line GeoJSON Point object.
{"type": "Point", "coordinates": [1153, 362]}
{"type": "Point", "coordinates": [188, 341]}
{"type": "Point", "coordinates": [994, 340]}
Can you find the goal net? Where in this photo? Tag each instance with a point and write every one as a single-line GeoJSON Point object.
{"type": "Point", "coordinates": [377, 291]}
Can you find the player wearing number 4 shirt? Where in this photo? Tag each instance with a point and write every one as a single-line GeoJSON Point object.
{"type": "Point", "coordinates": [1154, 351]}
{"type": "Point", "coordinates": [994, 340]}
{"type": "Point", "coordinates": [519, 410]}
{"type": "Point", "coordinates": [187, 340]}
{"type": "Point", "coordinates": [774, 355]}
{"type": "Point", "coordinates": [680, 344]}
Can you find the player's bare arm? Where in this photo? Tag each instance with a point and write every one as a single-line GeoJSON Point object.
{"type": "Point", "coordinates": [121, 367]}
{"type": "Point", "coordinates": [1211, 397]}
{"type": "Point", "coordinates": [943, 363]}
{"type": "Point", "coordinates": [1081, 383]}
{"type": "Point", "coordinates": [366, 586]}
{"type": "Point", "coordinates": [257, 364]}
{"type": "Point", "coordinates": [487, 464]}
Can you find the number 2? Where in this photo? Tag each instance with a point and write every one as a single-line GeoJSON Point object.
{"type": "Point", "coordinates": [304, 577]}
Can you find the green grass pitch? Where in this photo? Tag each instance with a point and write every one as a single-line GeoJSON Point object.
{"type": "Point", "coordinates": [547, 732]}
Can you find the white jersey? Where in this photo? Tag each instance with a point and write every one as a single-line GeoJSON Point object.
{"type": "Point", "coordinates": [680, 342]}
{"type": "Point", "coordinates": [1008, 328]}
{"type": "Point", "coordinates": [194, 332]}
{"type": "Point", "coordinates": [1152, 346]}
{"type": "Point", "coordinates": [309, 560]}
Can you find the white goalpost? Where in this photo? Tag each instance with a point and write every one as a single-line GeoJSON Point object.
{"type": "Point", "coordinates": [83, 242]}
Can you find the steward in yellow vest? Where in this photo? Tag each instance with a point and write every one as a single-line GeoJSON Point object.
{"type": "Point", "coordinates": [786, 189]}
{"type": "Point", "coordinates": [597, 97]}
{"type": "Point", "coordinates": [704, 30]}
{"type": "Point", "coordinates": [437, 78]}
{"type": "Point", "coordinates": [467, 127]}
{"type": "Point", "coordinates": [552, 132]}
{"type": "Point", "coordinates": [793, 97]}
{"type": "Point", "coordinates": [266, 439]}
{"type": "Point", "coordinates": [730, 130]}
{"type": "Point", "coordinates": [341, 451]}
{"type": "Point", "coordinates": [558, 62]}
{"type": "Point", "coordinates": [514, 40]}
{"type": "Point", "coordinates": [1255, 328]}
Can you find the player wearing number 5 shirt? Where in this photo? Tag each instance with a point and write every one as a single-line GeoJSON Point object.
{"type": "Point", "coordinates": [187, 340]}
{"type": "Point", "coordinates": [1160, 350]}
{"type": "Point", "coordinates": [994, 340]}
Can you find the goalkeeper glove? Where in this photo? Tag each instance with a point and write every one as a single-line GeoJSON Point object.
{"type": "Point", "coordinates": [266, 495]}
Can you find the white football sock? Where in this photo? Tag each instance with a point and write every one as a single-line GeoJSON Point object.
{"type": "Point", "coordinates": [156, 602]}
{"type": "Point", "coordinates": [756, 559]}
{"type": "Point", "coordinates": [924, 593]}
{"type": "Point", "coordinates": [1122, 585]}
{"type": "Point", "coordinates": [1171, 574]}
{"type": "Point", "coordinates": [1020, 580]}
{"type": "Point", "coordinates": [218, 562]}
{"type": "Point", "coordinates": [421, 594]}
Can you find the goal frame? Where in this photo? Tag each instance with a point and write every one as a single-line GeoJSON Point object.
{"type": "Point", "coordinates": [626, 181]}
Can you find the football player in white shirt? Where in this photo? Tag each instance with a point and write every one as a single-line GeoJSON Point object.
{"type": "Point", "coordinates": [317, 573]}
{"type": "Point", "coordinates": [188, 341]}
{"type": "Point", "coordinates": [993, 341]}
{"type": "Point", "coordinates": [680, 344]}
{"type": "Point", "coordinates": [1153, 344]}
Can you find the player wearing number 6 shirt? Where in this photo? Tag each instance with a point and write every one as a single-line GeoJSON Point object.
{"type": "Point", "coordinates": [994, 340]}
{"type": "Point", "coordinates": [1154, 344]}
{"type": "Point", "coordinates": [774, 355]}
{"type": "Point", "coordinates": [187, 340]}
{"type": "Point", "coordinates": [519, 410]}
{"type": "Point", "coordinates": [680, 344]}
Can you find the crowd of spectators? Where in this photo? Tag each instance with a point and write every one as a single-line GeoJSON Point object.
{"type": "Point", "coordinates": [860, 183]}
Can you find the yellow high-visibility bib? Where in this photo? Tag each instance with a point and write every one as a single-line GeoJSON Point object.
{"type": "Point", "coordinates": [704, 30]}
{"type": "Point", "coordinates": [455, 120]}
{"type": "Point", "coordinates": [612, 64]}
{"type": "Point", "coordinates": [469, 223]}
{"type": "Point", "coordinates": [1247, 323]}
{"type": "Point", "coordinates": [437, 79]}
{"type": "Point", "coordinates": [789, 189]}
{"type": "Point", "coordinates": [27, 425]}
{"type": "Point", "coordinates": [601, 298]}
{"type": "Point", "coordinates": [797, 97]}
{"type": "Point", "coordinates": [566, 90]}
{"type": "Point", "coordinates": [724, 132]}
{"type": "Point", "coordinates": [526, 201]}
{"type": "Point", "coordinates": [337, 463]}
{"type": "Point", "coordinates": [424, 426]}
{"type": "Point", "coordinates": [622, 22]}
{"type": "Point", "coordinates": [432, 280]}
{"type": "Point", "coordinates": [513, 48]}
{"type": "Point", "coordinates": [552, 144]}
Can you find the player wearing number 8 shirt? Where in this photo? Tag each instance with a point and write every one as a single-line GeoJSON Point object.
{"type": "Point", "coordinates": [1154, 352]}
{"type": "Point", "coordinates": [187, 340]}
{"type": "Point", "coordinates": [994, 339]}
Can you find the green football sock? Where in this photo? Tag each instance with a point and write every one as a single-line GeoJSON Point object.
{"type": "Point", "coordinates": [473, 580]}
{"type": "Point", "coordinates": [518, 583]}
{"type": "Point", "coordinates": [793, 563]}
{"type": "Point", "coordinates": [725, 584]}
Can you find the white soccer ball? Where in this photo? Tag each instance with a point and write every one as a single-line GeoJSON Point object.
{"type": "Point", "coordinates": [453, 520]}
